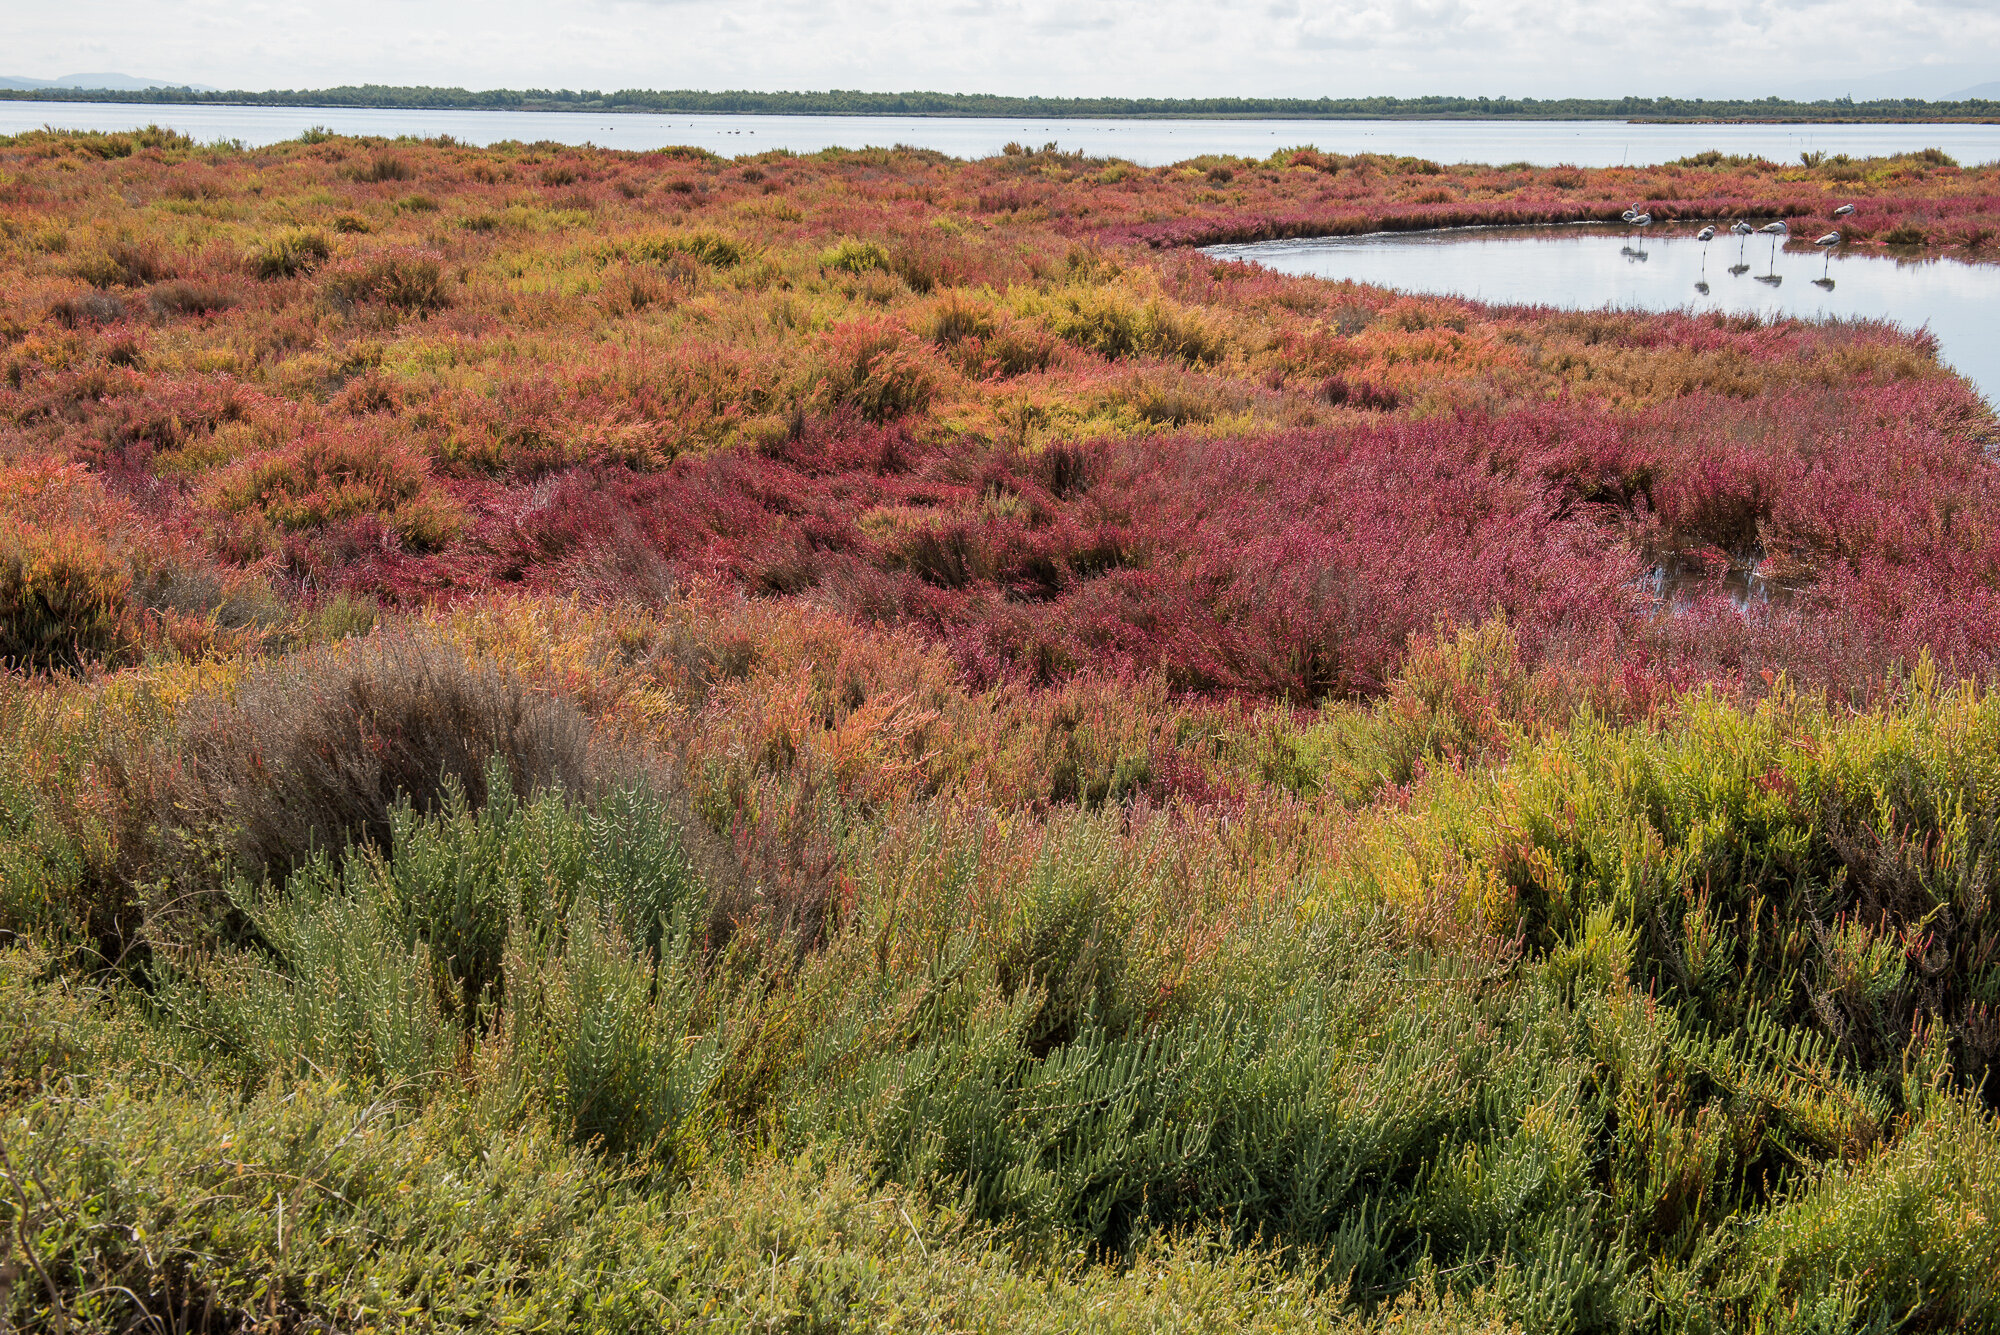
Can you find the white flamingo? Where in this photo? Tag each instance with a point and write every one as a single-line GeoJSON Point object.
{"type": "Point", "coordinates": [1827, 243]}
{"type": "Point", "coordinates": [1843, 210]}
{"type": "Point", "coordinates": [1774, 231]}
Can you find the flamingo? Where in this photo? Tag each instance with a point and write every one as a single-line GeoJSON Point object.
{"type": "Point", "coordinates": [1742, 231]}
{"type": "Point", "coordinates": [1641, 221]}
{"type": "Point", "coordinates": [1827, 244]}
{"type": "Point", "coordinates": [1705, 235]}
{"type": "Point", "coordinates": [1843, 210]}
{"type": "Point", "coordinates": [1774, 231]}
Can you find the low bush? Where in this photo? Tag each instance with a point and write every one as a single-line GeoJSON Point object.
{"type": "Point", "coordinates": [295, 251]}
{"type": "Point", "coordinates": [332, 478]}
{"type": "Point", "coordinates": [877, 369]}
{"type": "Point", "coordinates": [182, 297]}
{"type": "Point", "coordinates": [855, 257]}
{"type": "Point", "coordinates": [405, 278]}
{"type": "Point", "coordinates": [315, 751]}
{"type": "Point", "coordinates": [982, 342]}
{"type": "Point", "coordinates": [65, 599]}
{"type": "Point", "coordinates": [95, 308]}
{"type": "Point", "coordinates": [1114, 324]}
{"type": "Point", "coordinates": [1363, 394]}
{"type": "Point", "coordinates": [715, 249]}
{"type": "Point", "coordinates": [122, 264]}
{"type": "Point", "coordinates": [529, 1227]}
{"type": "Point", "coordinates": [383, 167]}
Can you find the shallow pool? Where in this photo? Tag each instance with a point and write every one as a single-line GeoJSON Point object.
{"type": "Point", "coordinates": [1591, 267]}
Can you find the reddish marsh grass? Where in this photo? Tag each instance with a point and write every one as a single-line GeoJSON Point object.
{"type": "Point", "coordinates": [976, 400]}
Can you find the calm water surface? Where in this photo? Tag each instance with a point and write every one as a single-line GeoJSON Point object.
{"type": "Point", "coordinates": [1582, 143]}
{"type": "Point", "coordinates": [1588, 268]}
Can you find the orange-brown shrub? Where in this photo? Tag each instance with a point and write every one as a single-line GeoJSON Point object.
{"type": "Point", "coordinates": [876, 368]}
{"type": "Point", "coordinates": [405, 278]}
{"type": "Point", "coordinates": [65, 599]}
{"type": "Point", "coordinates": [330, 477]}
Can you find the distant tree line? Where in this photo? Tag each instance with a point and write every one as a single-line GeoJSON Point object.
{"type": "Point", "coordinates": [848, 102]}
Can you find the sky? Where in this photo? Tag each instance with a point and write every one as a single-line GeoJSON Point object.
{"type": "Point", "coordinates": [1166, 48]}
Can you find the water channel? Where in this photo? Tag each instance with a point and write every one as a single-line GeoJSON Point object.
{"type": "Point", "coordinates": [1147, 142]}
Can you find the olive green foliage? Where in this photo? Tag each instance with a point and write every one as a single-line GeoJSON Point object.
{"type": "Point", "coordinates": [704, 246]}
{"type": "Point", "coordinates": [290, 253]}
{"type": "Point", "coordinates": [1678, 1025]}
{"type": "Point", "coordinates": [1117, 324]}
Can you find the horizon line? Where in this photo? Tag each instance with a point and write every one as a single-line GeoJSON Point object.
{"type": "Point", "coordinates": [857, 102]}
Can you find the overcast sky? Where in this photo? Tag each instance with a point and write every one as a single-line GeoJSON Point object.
{"type": "Point", "coordinates": [1127, 47]}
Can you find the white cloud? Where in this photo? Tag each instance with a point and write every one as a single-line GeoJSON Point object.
{"type": "Point", "coordinates": [1173, 47]}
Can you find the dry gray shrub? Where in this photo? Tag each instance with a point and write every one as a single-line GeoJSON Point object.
{"type": "Point", "coordinates": [312, 752]}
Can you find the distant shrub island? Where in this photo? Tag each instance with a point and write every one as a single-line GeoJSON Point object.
{"type": "Point", "coordinates": [853, 102]}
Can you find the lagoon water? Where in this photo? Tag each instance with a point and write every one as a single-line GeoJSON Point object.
{"type": "Point", "coordinates": [1591, 267]}
{"type": "Point", "coordinates": [1147, 142]}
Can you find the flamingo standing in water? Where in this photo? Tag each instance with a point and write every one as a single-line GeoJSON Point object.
{"type": "Point", "coordinates": [1641, 221]}
{"type": "Point", "coordinates": [1774, 231]}
{"type": "Point", "coordinates": [1827, 243]}
{"type": "Point", "coordinates": [1705, 235]}
{"type": "Point", "coordinates": [1743, 232]}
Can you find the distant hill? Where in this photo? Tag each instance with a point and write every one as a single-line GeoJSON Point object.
{"type": "Point", "coordinates": [1932, 83]}
{"type": "Point", "coordinates": [115, 83]}
{"type": "Point", "coordinates": [1987, 92]}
